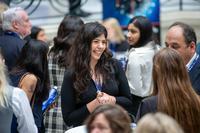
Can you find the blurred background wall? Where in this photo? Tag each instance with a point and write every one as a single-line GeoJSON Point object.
{"type": "Point", "coordinates": [48, 13]}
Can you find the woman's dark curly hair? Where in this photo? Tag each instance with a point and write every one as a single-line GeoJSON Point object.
{"type": "Point", "coordinates": [81, 55]}
{"type": "Point", "coordinates": [67, 33]}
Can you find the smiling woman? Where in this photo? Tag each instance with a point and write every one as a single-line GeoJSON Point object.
{"type": "Point", "coordinates": [93, 78]}
{"type": "Point", "coordinates": [99, 45]}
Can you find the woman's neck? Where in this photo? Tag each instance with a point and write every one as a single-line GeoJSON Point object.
{"type": "Point", "coordinates": [92, 65]}
{"type": "Point", "coordinates": [93, 72]}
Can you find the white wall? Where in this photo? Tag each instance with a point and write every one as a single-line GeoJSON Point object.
{"type": "Point", "coordinates": [170, 13]}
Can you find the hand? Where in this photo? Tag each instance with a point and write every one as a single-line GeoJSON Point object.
{"type": "Point", "coordinates": [92, 105]}
{"type": "Point", "coordinates": [53, 105]}
{"type": "Point", "coordinates": [99, 94]}
{"type": "Point", "coordinates": [106, 99]}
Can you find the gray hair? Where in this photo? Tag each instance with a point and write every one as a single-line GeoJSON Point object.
{"type": "Point", "coordinates": [10, 15]}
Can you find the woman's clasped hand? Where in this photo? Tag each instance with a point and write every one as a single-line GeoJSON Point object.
{"type": "Point", "coordinates": [104, 98]}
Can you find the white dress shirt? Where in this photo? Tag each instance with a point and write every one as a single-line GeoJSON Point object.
{"type": "Point", "coordinates": [22, 110]}
{"type": "Point", "coordinates": [191, 61]}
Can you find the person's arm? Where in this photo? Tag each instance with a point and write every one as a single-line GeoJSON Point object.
{"type": "Point", "coordinates": [28, 84]}
{"type": "Point", "coordinates": [22, 111]}
{"type": "Point", "coordinates": [73, 114]}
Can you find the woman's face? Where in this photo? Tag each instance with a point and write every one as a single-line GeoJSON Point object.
{"type": "Point", "coordinates": [42, 36]}
{"type": "Point", "coordinates": [98, 46]}
{"type": "Point", "coordinates": [133, 34]}
{"type": "Point", "coordinates": [100, 125]}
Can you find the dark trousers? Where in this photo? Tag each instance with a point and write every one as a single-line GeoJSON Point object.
{"type": "Point", "coordinates": [41, 129]}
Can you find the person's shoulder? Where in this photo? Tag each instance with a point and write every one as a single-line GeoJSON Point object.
{"type": "Point", "coordinates": [18, 96]}
{"type": "Point", "coordinates": [18, 93]}
{"type": "Point", "coordinates": [198, 48]}
{"type": "Point", "coordinates": [196, 68]}
{"type": "Point", "coordinates": [113, 60]}
{"type": "Point", "coordinates": [198, 57]}
{"type": "Point", "coordinates": [150, 103]}
{"type": "Point", "coordinates": [147, 105]}
{"type": "Point", "coordinates": [198, 64]}
{"type": "Point", "coordinates": [115, 63]}
{"type": "Point", "coordinates": [15, 41]}
{"type": "Point", "coordinates": [31, 77]}
{"type": "Point", "coordinates": [150, 99]}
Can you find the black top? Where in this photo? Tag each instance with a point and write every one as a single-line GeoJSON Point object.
{"type": "Point", "coordinates": [75, 113]}
{"type": "Point", "coordinates": [148, 105]}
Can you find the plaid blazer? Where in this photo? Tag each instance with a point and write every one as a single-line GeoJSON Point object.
{"type": "Point", "coordinates": [53, 119]}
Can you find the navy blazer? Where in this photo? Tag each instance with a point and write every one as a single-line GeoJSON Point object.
{"type": "Point", "coordinates": [194, 74]}
{"type": "Point", "coordinates": [11, 45]}
{"type": "Point", "coordinates": [148, 105]}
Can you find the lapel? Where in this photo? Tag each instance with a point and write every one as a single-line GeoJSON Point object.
{"type": "Point", "coordinates": [195, 72]}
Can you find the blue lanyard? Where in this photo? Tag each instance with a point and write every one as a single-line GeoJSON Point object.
{"type": "Point", "coordinates": [193, 63]}
{"type": "Point", "coordinates": [98, 86]}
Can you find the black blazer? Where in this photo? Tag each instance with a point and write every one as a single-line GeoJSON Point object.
{"type": "Point", "coordinates": [75, 111]}
{"type": "Point", "coordinates": [195, 76]}
{"type": "Point", "coordinates": [148, 105]}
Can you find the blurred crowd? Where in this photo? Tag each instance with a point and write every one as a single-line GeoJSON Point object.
{"type": "Point", "coordinates": [108, 80]}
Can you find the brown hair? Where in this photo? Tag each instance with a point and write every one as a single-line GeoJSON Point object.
{"type": "Point", "coordinates": [117, 117]}
{"type": "Point", "coordinates": [81, 54]}
{"type": "Point", "coordinates": [176, 96]}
